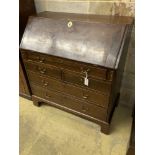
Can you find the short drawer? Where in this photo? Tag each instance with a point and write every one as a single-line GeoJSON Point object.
{"type": "Point", "coordinates": [44, 70]}
{"type": "Point", "coordinates": [44, 82]}
{"type": "Point", "coordinates": [77, 79]}
{"type": "Point", "coordinates": [79, 67]}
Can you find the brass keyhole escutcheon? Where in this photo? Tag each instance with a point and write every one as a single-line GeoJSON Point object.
{"type": "Point", "coordinates": [70, 24]}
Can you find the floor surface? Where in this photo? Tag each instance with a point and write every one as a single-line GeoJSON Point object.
{"type": "Point", "coordinates": [49, 131]}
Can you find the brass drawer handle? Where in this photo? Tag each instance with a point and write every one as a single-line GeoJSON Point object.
{"type": "Point", "coordinates": [47, 96]}
{"type": "Point", "coordinates": [38, 59]}
{"type": "Point", "coordinates": [84, 109]}
{"type": "Point", "coordinates": [45, 83]}
{"type": "Point", "coordinates": [29, 59]}
{"type": "Point", "coordinates": [42, 70]}
{"type": "Point", "coordinates": [41, 60]}
{"type": "Point", "coordinates": [85, 96]}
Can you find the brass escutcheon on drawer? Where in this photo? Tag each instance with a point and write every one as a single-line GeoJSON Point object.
{"type": "Point", "coordinates": [69, 24]}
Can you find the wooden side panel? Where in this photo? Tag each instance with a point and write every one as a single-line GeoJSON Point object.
{"type": "Point", "coordinates": [119, 72]}
{"type": "Point", "coordinates": [23, 87]}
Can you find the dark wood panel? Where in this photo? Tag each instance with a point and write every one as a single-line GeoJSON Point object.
{"type": "Point", "coordinates": [44, 81]}
{"type": "Point", "coordinates": [44, 70]}
{"type": "Point", "coordinates": [94, 43]}
{"type": "Point", "coordinates": [23, 87]}
{"type": "Point", "coordinates": [116, 85]}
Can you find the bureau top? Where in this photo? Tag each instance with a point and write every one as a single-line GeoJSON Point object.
{"type": "Point", "coordinates": [92, 39]}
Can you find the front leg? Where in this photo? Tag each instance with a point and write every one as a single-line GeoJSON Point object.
{"type": "Point", "coordinates": [105, 128]}
{"type": "Point", "coordinates": [36, 101]}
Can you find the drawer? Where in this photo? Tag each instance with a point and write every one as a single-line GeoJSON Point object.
{"type": "Point", "coordinates": [93, 71]}
{"type": "Point", "coordinates": [78, 79]}
{"type": "Point", "coordinates": [42, 58]}
{"type": "Point", "coordinates": [87, 95]}
{"type": "Point", "coordinates": [71, 103]}
{"type": "Point", "coordinates": [44, 70]}
{"type": "Point", "coordinates": [44, 82]}
{"type": "Point", "coordinates": [46, 94]}
{"type": "Point", "coordinates": [85, 108]}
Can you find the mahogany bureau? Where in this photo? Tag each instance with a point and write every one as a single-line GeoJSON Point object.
{"type": "Point", "coordinates": [75, 62]}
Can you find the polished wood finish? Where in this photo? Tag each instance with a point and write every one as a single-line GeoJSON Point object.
{"type": "Point", "coordinates": [76, 64]}
{"type": "Point", "coordinates": [23, 89]}
{"type": "Point", "coordinates": [78, 42]}
{"type": "Point", "coordinates": [44, 70]}
{"type": "Point", "coordinates": [26, 8]}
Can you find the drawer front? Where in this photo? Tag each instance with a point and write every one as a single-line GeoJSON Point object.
{"type": "Point", "coordinates": [95, 84]}
{"type": "Point", "coordinates": [44, 70]}
{"type": "Point", "coordinates": [46, 94]}
{"type": "Point", "coordinates": [44, 82]}
{"type": "Point", "coordinates": [93, 71]}
{"type": "Point", "coordinates": [85, 108]}
{"type": "Point", "coordinates": [79, 106]}
{"type": "Point", "coordinates": [87, 95]}
{"type": "Point", "coordinates": [83, 94]}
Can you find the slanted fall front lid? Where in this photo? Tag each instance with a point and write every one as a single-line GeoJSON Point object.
{"type": "Point", "coordinates": [86, 41]}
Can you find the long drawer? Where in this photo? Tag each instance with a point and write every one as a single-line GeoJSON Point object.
{"type": "Point", "coordinates": [79, 67]}
{"type": "Point", "coordinates": [81, 93]}
{"type": "Point", "coordinates": [64, 100]}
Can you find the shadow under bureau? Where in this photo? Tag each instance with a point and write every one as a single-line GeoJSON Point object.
{"type": "Point", "coordinates": [75, 62]}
